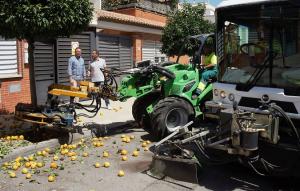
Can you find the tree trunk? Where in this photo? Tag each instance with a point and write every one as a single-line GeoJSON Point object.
{"type": "Point", "coordinates": [32, 72]}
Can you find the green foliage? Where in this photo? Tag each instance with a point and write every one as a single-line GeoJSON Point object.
{"type": "Point", "coordinates": [182, 23]}
{"type": "Point", "coordinates": [108, 4]}
{"type": "Point", "coordinates": [29, 19]}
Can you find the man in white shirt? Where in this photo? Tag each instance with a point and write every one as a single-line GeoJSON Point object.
{"type": "Point", "coordinates": [96, 65]}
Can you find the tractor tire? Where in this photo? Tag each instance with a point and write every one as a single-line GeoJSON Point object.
{"type": "Point", "coordinates": [139, 111]}
{"type": "Point", "coordinates": [169, 113]}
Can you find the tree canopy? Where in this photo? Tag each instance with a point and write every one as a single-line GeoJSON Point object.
{"type": "Point", "coordinates": [34, 19]}
{"type": "Point", "coordinates": [184, 22]}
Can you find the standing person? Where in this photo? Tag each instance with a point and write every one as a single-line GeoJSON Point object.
{"type": "Point", "coordinates": [95, 71]}
{"type": "Point", "coordinates": [76, 68]}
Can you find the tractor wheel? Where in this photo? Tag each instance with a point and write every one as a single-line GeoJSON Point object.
{"type": "Point", "coordinates": [170, 113]}
{"type": "Point", "coordinates": [139, 111]}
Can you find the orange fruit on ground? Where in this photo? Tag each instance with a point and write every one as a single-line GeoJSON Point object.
{"type": "Point", "coordinates": [97, 165]}
{"type": "Point", "coordinates": [55, 158]}
{"type": "Point", "coordinates": [24, 171]}
{"type": "Point", "coordinates": [21, 137]}
{"type": "Point", "coordinates": [53, 165]}
{"type": "Point", "coordinates": [28, 176]}
{"type": "Point", "coordinates": [40, 164]}
{"type": "Point", "coordinates": [31, 158]}
{"type": "Point", "coordinates": [15, 167]}
{"type": "Point", "coordinates": [148, 142]}
{"type": "Point", "coordinates": [85, 154]}
{"type": "Point", "coordinates": [132, 137]}
{"type": "Point", "coordinates": [146, 149]}
{"type": "Point", "coordinates": [33, 165]}
{"type": "Point", "coordinates": [135, 153]}
{"type": "Point", "coordinates": [51, 178]}
{"type": "Point", "coordinates": [12, 175]}
{"type": "Point", "coordinates": [144, 144]}
{"type": "Point", "coordinates": [47, 150]}
{"type": "Point", "coordinates": [73, 158]}
{"type": "Point", "coordinates": [124, 158]}
{"type": "Point", "coordinates": [121, 173]}
{"type": "Point", "coordinates": [106, 164]}
{"type": "Point", "coordinates": [123, 152]}
{"type": "Point", "coordinates": [105, 154]}
{"type": "Point", "coordinates": [27, 164]}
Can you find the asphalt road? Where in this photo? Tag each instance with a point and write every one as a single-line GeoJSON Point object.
{"type": "Point", "coordinates": [81, 175]}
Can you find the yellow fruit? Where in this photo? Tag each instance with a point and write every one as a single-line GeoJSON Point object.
{"type": "Point", "coordinates": [106, 164]}
{"type": "Point", "coordinates": [39, 164]}
{"type": "Point", "coordinates": [70, 154]}
{"type": "Point", "coordinates": [132, 137]}
{"type": "Point", "coordinates": [65, 145]}
{"type": "Point", "coordinates": [33, 165]}
{"type": "Point", "coordinates": [95, 144]}
{"type": "Point", "coordinates": [70, 146]}
{"type": "Point", "coordinates": [82, 140]}
{"type": "Point", "coordinates": [100, 139]}
{"type": "Point", "coordinates": [124, 139]}
{"type": "Point", "coordinates": [85, 154]}
{"type": "Point", "coordinates": [106, 138]}
{"type": "Point", "coordinates": [55, 158]}
{"type": "Point", "coordinates": [101, 144]}
{"type": "Point", "coordinates": [98, 144]}
{"type": "Point", "coordinates": [8, 138]}
{"type": "Point", "coordinates": [124, 158]}
{"type": "Point", "coordinates": [18, 159]}
{"type": "Point", "coordinates": [146, 149]}
{"type": "Point", "coordinates": [94, 139]}
{"type": "Point", "coordinates": [44, 153]}
{"type": "Point", "coordinates": [31, 158]}
{"type": "Point", "coordinates": [53, 165]}
{"type": "Point", "coordinates": [47, 150]}
{"type": "Point", "coordinates": [24, 171]}
{"type": "Point", "coordinates": [148, 142]}
{"type": "Point", "coordinates": [73, 158]}
{"type": "Point", "coordinates": [12, 175]}
{"type": "Point", "coordinates": [97, 165]}
{"type": "Point", "coordinates": [51, 178]}
{"type": "Point", "coordinates": [123, 136]}
{"type": "Point", "coordinates": [135, 153]}
{"type": "Point", "coordinates": [15, 167]}
{"type": "Point", "coordinates": [61, 147]}
{"type": "Point", "coordinates": [121, 173]}
{"type": "Point", "coordinates": [27, 164]}
{"type": "Point", "coordinates": [18, 164]}
{"type": "Point", "coordinates": [144, 144]}
{"type": "Point", "coordinates": [123, 152]}
{"type": "Point", "coordinates": [105, 154]}
{"type": "Point", "coordinates": [28, 176]}
{"type": "Point", "coordinates": [39, 153]}
{"type": "Point", "coordinates": [127, 140]}
{"type": "Point", "coordinates": [5, 164]}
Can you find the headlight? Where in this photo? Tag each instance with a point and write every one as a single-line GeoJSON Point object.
{"type": "Point", "coordinates": [231, 97]}
{"type": "Point", "coordinates": [223, 94]}
{"type": "Point", "coordinates": [216, 92]}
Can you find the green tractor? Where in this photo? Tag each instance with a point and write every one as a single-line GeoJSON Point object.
{"type": "Point", "coordinates": [165, 93]}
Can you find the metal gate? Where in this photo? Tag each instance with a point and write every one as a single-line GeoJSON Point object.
{"type": "Point", "coordinates": [116, 50]}
{"type": "Point", "coordinates": [151, 51]}
{"type": "Point", "coordinates": [64, 51]}
{"type": "Point", "coordinates": [44, 69]}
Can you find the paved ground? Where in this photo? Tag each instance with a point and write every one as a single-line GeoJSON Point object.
{"type": "Point", "coordinates": [81, 175]}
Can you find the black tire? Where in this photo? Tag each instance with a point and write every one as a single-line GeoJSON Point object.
{"type": "Point", "coordinates": [139, 107]}
{"type": "Point", "coordinates": [169, 113]}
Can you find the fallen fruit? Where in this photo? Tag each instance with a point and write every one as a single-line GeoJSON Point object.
{"type": "Point", "coordinates": [15, 167]}
{"type": "Point", "coordinates": [28, 176]}
{"type": "Point", "coordinates": [85, 154]}
{"type": "Point", "coordinates": [135, 153]}
{"type": "Point", "coordinates": [12, 175]}
{"type": "Point", "coordinates": [123, 136]}
{"type": "Point", "coordinates": [24, 171]}
{"type": "Point", "coordinates": [51, 178]}
{"type": "Point", "coordinates": [146, 149]}
{"type": "Point", "coordinates": [148, 142]}
{"type": "Point", "coordinates": [73, 158]}
{"type": "Point", "coordinates": [123, 152]}
{"type": "Point", "coordinates": [144, 144]}
{"type": "Point", "coordinates": [106, 164]}
{"type": "Point", "coordinates": [124, 139]}
{"type": "Point", "coordinates": [105, 154]}
{"type": "Point", "coordinates": [121, 173]}
{"type": "Point", "coordinates": [53, 165]}
{"type": "Point", "coordinates": [31, 158]}
{"type": "Point", "coordinates": [55, 158]}
{"type": "Point", "coordinates": [27, 164]}
{"type": "Point", "coordinates": [33, 165]}
{"type": "Point", "coordinates": [21, 137]}
{"type": "Point", "coordinates": [5, 164]}
{"type": "Point", "coordinates": [124, 158]}
{"type": "Point", "coordinates": [97, 165]}
{"type": "Point", "coordinates": [47, 150]}
{"type": "Point", "coordinates": [44, 153]}
{"type": "Point", "coordinates": [39, 153]}
{"type": "Point", "coordinates": [132, 137]}
{"type": "Point", "coordinates": [40, 164]}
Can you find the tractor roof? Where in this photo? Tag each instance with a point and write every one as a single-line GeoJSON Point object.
{"type": "Point", "coordinates": [231, 3]}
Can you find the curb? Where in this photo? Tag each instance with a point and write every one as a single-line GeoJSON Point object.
{"type": "Point", "coordinates": [31, 149]}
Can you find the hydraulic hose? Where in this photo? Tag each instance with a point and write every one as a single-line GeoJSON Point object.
{"type": "Point", "coordinates": [165, 72]}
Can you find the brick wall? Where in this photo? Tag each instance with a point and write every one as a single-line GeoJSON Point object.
{"type": "Point", "coordinates": [8, 100]}
{"type": "Point", "coordinates": [143, 14]}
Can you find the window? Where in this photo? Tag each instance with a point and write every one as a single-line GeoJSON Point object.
{"type": "Point", "coordinates": [8, 57]}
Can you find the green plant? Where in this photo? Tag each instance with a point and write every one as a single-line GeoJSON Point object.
{"type": "Point", "coordinates": [184, 22]}
{"type": "Point", "coordinates": [42, 19]}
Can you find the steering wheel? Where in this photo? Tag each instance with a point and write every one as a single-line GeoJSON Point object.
{"type": "Point", "coordinates": [251, 49]}
{"type": "Point", "coordinates": [255, 52]}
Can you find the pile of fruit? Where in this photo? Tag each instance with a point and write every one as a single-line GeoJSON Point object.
{"type": "Point", "coordinates": [8, 143]}
{"type": "Point", "coordinates": [91, 151]}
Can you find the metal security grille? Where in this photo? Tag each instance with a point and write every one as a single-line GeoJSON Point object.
{"type": "Point", "coordinates": [64, 51]}
{"type": "Point", "coordinates": [44, 69]}
{"type": "Point", "coordinates": [116, 50]}
{"type": "Point", "coordinates": [8, 57]}
{"type": "Point", "coordinates": [151, 51]}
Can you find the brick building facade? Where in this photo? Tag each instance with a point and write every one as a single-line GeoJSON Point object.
{"type": "Point", "coordinates": [15, 88]}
